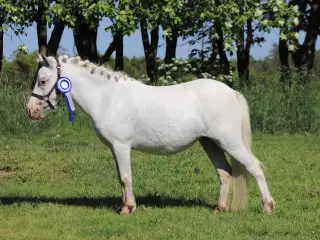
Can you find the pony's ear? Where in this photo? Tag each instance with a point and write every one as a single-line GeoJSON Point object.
{"type": "Point", "coordinates": [43, 60]}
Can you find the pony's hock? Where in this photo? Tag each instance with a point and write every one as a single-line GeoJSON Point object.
{"type": "Point", "coordinates": [159, 120]}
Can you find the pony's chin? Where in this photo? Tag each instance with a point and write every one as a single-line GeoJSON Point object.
{"type": "Point", "coordinates": [37, 117]}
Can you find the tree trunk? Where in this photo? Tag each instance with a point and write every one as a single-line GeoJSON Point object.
{"type": "Point", "coordinates": [241, 60]}
{"type": "Point", "coordinates": [312, 33]}
{"type": "Point", "coordinates": [215, 51]}
{"type": "Point", "coordinates": [1, 50]}
{"type": "Point", "coordinates": [223, 59]}
{"type": "Point", "coordinates": [304, 56]}
{"type": "Point", "coordinates": [171, 46]}
{"type": "Point", "coordinates": [85, 39]}
{"type": "Point", "coordinates": [284, 63]}
{"type": "Point", "coordinates": [150, 50]}
{"type": "Point", "coordinates": [222, 53]}
{"type": "Point", "coordinates": [106, 56]}
{"type": "Point", "coordinates": [283, 49]}
{"type": "Point", "coordinates": [55, 39]}
{"type": "Point", "coordinates": [119, 51]}
{"type": "Point", "coordinates": [243, 55]}
{"type": "Point", "coordinates": [41, 30]}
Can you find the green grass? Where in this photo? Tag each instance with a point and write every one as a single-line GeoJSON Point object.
{"type": "Point", "coordinates": [64, 186]}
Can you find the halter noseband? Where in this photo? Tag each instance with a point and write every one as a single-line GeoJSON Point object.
{"type": "Point", "coordinates": [46, 97]}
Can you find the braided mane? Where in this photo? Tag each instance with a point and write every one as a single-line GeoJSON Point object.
{"type": "Point", "coordinates": [95, 69]}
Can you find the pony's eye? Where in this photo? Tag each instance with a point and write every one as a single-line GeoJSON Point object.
{"type": "Point", "coordinates": [42, 82]}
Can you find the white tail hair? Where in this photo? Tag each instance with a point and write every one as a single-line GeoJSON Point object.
{"type": "Point", "coordinates": [239, 177]}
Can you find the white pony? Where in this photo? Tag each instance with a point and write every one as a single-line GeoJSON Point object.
{"type": "Point", "coordinates": [159, 120]}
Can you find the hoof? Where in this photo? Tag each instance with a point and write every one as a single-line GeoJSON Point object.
{"type": "Point", "coordinates": [269, 206]}
{"type": "Point", "coordinates": [127, 210]}
{"type": "Point", "coordinates": [220, 209]}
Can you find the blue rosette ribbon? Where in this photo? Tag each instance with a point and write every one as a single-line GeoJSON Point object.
{"type": "Point", "coordinates": [64, 86]}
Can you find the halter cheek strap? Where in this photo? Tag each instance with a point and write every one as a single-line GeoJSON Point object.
{"type": "Point", "coordinates": [46, 97]}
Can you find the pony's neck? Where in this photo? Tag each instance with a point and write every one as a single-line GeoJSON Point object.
{"type": "Point", "coordinates": [88, 90]}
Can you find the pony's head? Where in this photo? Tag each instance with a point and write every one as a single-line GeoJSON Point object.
{"type": "Point", "coordinates": [45, 95]}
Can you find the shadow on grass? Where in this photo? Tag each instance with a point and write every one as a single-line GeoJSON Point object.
{"type": "Point", "coordinates": [107, 202]}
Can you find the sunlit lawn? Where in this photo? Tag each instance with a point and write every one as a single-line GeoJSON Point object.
{"type": "Point", "coordinates": [63, 184]}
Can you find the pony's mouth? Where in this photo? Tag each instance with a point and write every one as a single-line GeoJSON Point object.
{"type": "Point", "coordinates": [36, 116]}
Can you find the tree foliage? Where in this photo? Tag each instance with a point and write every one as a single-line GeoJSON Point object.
{"type": "Point", "coordinates": [222, 27]}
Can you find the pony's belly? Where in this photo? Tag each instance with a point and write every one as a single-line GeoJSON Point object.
{"type": "Point", "coordinates": [162, 148]}
{"type": "Point", "coordinates": [167, 138]}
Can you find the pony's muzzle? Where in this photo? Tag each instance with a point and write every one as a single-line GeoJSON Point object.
{"type": "Point", "coordinates": [35, 113]}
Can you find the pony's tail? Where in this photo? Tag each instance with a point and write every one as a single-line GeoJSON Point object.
{"type": "Point", "coordinates": [239, 177]}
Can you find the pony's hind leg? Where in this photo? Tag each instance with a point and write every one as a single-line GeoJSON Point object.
{"type": "Point", "coordinates": [223, 168]}
{"type": "Point", "coordinates": [121, 154]}
{"type": "Point", "coordinates": [241, 154]}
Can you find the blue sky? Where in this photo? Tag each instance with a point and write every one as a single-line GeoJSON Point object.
{"type": "Point", "coordinates": [132, 44]}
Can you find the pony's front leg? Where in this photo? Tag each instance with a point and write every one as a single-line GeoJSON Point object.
{"type": "Point", "coordinates": [218, 159]}
{"type": "Point", "coordinates": [121, 154]}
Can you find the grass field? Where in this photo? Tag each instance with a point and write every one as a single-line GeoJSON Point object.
{"type": "Point", "coordinates": [62, 184]}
